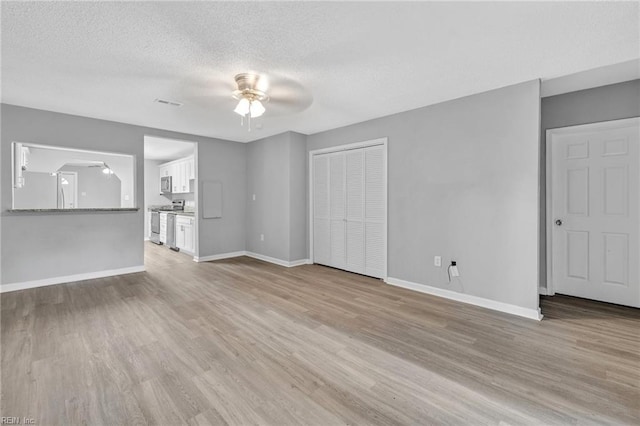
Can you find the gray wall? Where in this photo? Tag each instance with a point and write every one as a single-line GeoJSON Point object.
{"type": "Point", "coordinates": [463, 184]}
{"type": "Point", "coordinates": [276, 175]}
{"type": "Point", "coordinates": [298, 175]}
{"type": "Point", "coordinates": [225, 162]}
{"type": "Point", "coordinates": [613, 102]}
{"type": "Point", "coordinates": [38, 246]}
{"type": "Point", "coordinates": [39, 192]}
{"type": "Point", "coordinates": [100, 190]}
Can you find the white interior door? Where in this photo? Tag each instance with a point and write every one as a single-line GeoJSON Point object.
{"type": "Point", "coordinates": [67, 190]}
{"type": "Point", "coordinates": [349, 209]}
{"type": "Point", "coordinates": [595, 186]}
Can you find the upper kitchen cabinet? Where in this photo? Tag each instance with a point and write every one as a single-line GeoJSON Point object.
{"type": "Point", "coordinates": [182, 171]}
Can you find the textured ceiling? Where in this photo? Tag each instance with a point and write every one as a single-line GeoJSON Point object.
{"type": "Point", "coordinates": [166, 149]}
{"type": "Point", "coordinates": [358, 61]}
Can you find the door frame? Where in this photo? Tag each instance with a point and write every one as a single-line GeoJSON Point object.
{"type": "Point", "coordinates": [567, 130]}
{"type": "Point", "coordinates": [339, 148]}
{"type": "Point", "coordinates": [75, 184]}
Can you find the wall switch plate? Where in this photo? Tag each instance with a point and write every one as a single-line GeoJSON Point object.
{"type": "Point", "coordinates": [454, 271]}
{"type": "Point", "coordinates": [437, 261]}
{"type": "Point", "coordinates": [254, 197]}
{"type": "Point", "coordinates": [261, 237]}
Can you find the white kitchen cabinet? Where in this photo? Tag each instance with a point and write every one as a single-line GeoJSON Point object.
{"type": "Point", "coordinates": [175, 180]}
{"type": "Point", "coordinates": [185, 238]}
{"type": "Point", "coordinates": [163, 228]}
{"type": "Point", "coordinates": [181, 172]}
{"type": "Point", "coordinates": [191, 168]}
{"type": "Point", "coordinates": [183, 182]}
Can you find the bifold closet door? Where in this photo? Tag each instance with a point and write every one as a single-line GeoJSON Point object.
{"type": "Point", "coordinates": [349, 210]}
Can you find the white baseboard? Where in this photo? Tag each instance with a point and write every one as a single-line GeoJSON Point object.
{"type": "Point", "coordinates": [542, 291]}
{"type": "Point", "coordinates": [295, 263]}
{"type": "Point", "coordinates": [219, 256]}
{"type": "Point", "coordinates": [467, 298]}
{"type": "Point", "coordinates": [285, 263]}
{"type": "Point", "coordinates": [69, 278]}
{"type": "Point", "coordinates": [258, 256]}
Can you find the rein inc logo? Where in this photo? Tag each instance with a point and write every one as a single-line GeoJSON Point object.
{"type": "Point", "coordinates": [17, 421]}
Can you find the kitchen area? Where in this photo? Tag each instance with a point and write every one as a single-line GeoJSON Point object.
{"type": "Point", "coordinates": [170, 201]}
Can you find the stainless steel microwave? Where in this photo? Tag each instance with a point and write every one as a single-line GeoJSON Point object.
{"type": "Point", "coordinates": [165, 184]}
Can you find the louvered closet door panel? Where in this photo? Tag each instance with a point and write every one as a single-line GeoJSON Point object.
{"type": "Point", "coordinates": [354, 174]}
{"type": "Point", "coordinates": [355, 247]}
{"type": "Point", "coordinates": [321, 220]}
{"type": "Point", "coordinates": [337, 209]}
{"type": "Point", "coordinates": [375, 212]}
{"type": "Point", "coordinates": [336, 191]}
{"type": "Point", "coordinates": [338, 244]}
{"type": "Point", "coordinates": [374, 184]}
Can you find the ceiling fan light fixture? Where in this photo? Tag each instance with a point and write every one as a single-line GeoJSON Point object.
{"type": "Point", "coordinates": [243, 107]}
{"type": "Point", "coordinates": [250, 98]}
{"type": "Point", "coordinates": [256, 109]}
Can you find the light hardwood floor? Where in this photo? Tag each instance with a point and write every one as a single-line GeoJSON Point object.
{"type": "Point", "coordinates": [241, 341]}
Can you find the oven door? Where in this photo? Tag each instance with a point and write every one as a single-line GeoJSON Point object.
{"type": "Point", "coordinates": [155, 223]}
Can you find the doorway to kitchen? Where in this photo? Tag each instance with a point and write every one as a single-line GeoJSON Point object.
{"type": "Point", "coordinates": [170, 199]}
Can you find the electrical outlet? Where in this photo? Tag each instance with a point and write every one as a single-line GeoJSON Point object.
{"type": "Point", "coordinates": [437, 261]}
{"type": "Point", "coordinates": [261, 237]}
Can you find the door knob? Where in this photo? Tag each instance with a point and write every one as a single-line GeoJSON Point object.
{"type": "Point", "coordinates": [558, 222]}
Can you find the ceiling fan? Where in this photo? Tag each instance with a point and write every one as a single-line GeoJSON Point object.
{"type": "Point", "coordinates": [253, 95]}
{"type": "Point", "coordinates": [250, 98]}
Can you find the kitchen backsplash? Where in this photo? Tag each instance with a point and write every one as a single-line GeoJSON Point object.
{"type": "Point", "coordinates": [189, 206]}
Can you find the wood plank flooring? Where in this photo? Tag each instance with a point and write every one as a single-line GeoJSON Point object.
{"type": "Point", "coordinates": [243, 342]}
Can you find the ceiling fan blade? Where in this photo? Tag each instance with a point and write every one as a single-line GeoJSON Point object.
{"type": "Point", "coordinates": [212, 92]}
{"type": "Point", "coordinates": [286, 106]}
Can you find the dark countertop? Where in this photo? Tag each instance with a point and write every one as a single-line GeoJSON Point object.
{"type": "Point", "coordinates": [176, 212]}
{"type": "Point", "coordinates": [109, 209]}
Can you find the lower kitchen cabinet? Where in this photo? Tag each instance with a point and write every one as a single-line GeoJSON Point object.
{"type": "Point", "coordinates": [185, 239]}
{"type": "Point", "coordinates": [163, 228]}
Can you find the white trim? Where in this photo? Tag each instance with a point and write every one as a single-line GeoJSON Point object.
{"type": "Point", "coordinates": [70, 278]}
{"type": "Point", "coordinates": [350, 146]}
{"type": "Point", "coordinates": [258, 256]}
{"type": "Point", "coordinates": [219, 256]}
{"type": "Point", "coordinates": [542, 291]}
{"type": "Point", "coordinates": [550, 133]}
{"type": "Point", "coordinates": [347, 147]}
{"type": "Point", "coordinates": [280, 262]}
{"type": "Point", "coordinates": [299, 262]}
{"type": "Point", "coordinates": [534, 314]}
